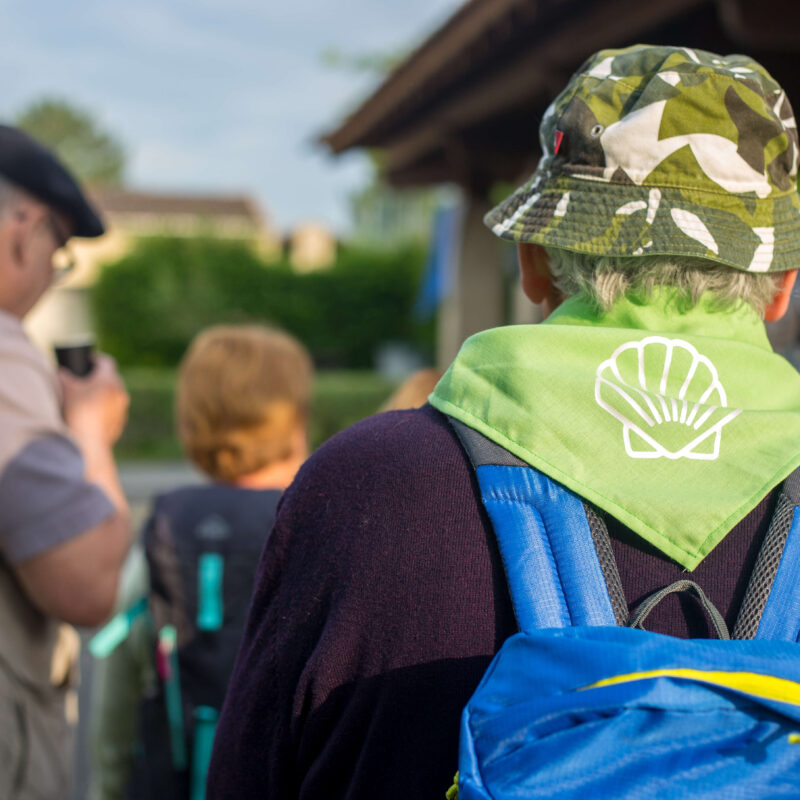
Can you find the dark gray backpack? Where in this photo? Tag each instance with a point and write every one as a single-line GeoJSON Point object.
{"type": "Point", "coordinates": [203, 546]}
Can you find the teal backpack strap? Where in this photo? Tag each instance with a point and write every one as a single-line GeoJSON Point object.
{"type": "Point", "coordinates": [116, 630]}
{"type": "Point", "coordinates": [210, 604]}
{"type": "Point", "coordinates": [168, 671]}
{"type": "Point", "coordinates": [205, 725]}
{"type": "Point", "coordinates": [771, 607]}
{"type": "Point", "coordinates": [546, 541]}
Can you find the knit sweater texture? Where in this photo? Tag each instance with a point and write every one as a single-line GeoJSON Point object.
{"type": "Point", "coordinates": [380, 600]}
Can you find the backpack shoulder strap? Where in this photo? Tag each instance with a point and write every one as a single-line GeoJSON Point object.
{"type": "Point", "coordinates": [771, 607]}
{"type": "Point", "coordinates": [546, 541]}
{"type": "Point", "coordinates": [116, 630]}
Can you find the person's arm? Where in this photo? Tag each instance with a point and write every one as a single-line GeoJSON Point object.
{"type": "Point", "coordinates": [76, 580]}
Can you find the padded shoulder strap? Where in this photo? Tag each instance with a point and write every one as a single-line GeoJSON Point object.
{"type": "Point", "coordinates": [771, 607]}
{"type": "Point", "coordinates": [554, 575]}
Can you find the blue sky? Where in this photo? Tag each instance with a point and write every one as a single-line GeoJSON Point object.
{"type": "Point", "coordinates": [214, 95]}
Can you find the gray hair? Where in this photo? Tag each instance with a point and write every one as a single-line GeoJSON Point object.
{"type": "Point", "coordinates": [602, 280]}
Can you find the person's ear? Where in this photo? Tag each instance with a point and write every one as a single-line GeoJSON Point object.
{"type": "Point", "coordinates": [536, 278]}
{"type": "Point", "coordinates": [534, 271]}
{"type": "Point", "coordinates": [299, 441]}
{"type": "Point", "coordinates": [16, 230]}
{"type": "Point", "coordinates": [780, 302]}
{"type": "Point", "coordinates": [18, 241]}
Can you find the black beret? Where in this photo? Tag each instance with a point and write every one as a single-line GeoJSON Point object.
{"type": "Point", "coordinates": [31, 166]}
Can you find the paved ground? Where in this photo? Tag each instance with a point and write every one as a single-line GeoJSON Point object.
{"type": "Point", "coordinates": [141, 482]}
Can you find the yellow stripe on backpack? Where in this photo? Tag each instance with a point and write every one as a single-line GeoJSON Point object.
{"type": "Point", "coordinates": [766, 687]}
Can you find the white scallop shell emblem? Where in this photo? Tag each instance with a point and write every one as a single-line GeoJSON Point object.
{"type": "Point", "coordinates": [668, 398]}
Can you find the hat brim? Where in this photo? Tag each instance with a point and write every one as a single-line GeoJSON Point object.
{"type": "Point", "coordinates": [87, 222]}
{"type": "Point", "coordinates": [614, 219]}
{"type": "Point", "coordinates": [28, 164]}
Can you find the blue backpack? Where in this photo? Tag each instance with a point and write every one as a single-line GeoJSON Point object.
{"type": "Point", "coordinates": [584, 704]}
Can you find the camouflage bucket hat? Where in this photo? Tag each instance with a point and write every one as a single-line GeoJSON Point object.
{"type": "Point", "coordinates": [663, 150]}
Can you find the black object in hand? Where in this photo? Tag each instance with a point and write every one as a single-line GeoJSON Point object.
{"type": "Point", "coordinates": [77, 357]}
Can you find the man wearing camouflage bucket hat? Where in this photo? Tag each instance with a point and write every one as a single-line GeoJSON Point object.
{"type": "Point", "coordinates": [661, 226]}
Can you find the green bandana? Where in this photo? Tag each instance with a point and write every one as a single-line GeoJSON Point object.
{"type": "Point", "coordinates": [675, 424]}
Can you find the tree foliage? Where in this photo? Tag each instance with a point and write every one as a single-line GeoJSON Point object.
{"type": "Point", "coordinates": [94, 155]}
{"type": "Point", "coordinates": [149, 305]}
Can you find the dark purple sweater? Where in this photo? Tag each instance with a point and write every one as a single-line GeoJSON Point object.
{"type": "Point", "coordinates": [379, 603]}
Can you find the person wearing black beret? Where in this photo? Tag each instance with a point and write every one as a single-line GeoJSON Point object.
{"type": "Point", "coordinates": [64, 526]}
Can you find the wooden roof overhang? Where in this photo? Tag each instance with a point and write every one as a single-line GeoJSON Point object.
{"type": "Point", "coordinates": [465, 106]}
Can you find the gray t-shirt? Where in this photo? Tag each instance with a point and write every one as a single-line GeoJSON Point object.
{"type": "Point", "coordinates": [45, 498]}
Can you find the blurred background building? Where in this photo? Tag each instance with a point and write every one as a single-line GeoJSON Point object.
{"type": "Point", "coordinates": [464, 108]}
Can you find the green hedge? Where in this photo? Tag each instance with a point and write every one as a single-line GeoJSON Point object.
{"type": "Point", "coordinates": [148, 305]}
{"type": "Point", "coordinates": [340, 399]}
